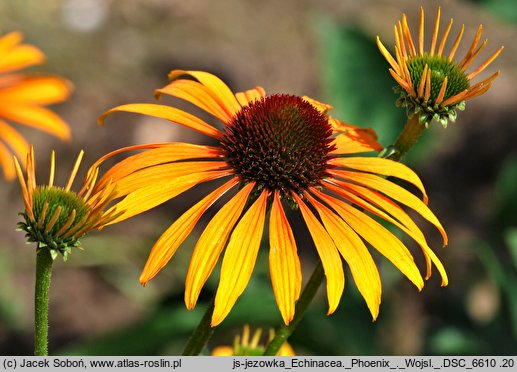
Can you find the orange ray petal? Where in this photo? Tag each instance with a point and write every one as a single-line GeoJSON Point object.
{"type": "Point", "coordinates": [245, 98]}
{"type": "Point", "coordinates": [169, 113]}
{"type": "Point", "coordinates": [378, 236]}
{"type": "Point", "coordinates": [6, 162]}
{"type": "Point", "coordinates": [397, 193]}
{"type": "Point", "coordinates": [37, 117]}
{"type": "Point", "coordinates": [444, 38]}
{"type": "Point", "coordinates": [284, 263]}
{"type": "Point", "coordinates": [41, 90]}
{"type": "Point", "coordinates": [14, 139]}
{"type": "Point", "coordinates": [456, 43]}
{"type": "Point", "coordinates": [217, 86]}
{"type": "Point", "coordinates": [149, 197]}
{"type": "Point", "coordinates": [355, 141]}
{"type": "Point", "coordinates": [407, 36]}
{"type": "Point", "coordinates": [421, 33]}
{"type": "Point", "coordinates": [171, 239]}
{"type": "Point", "coordinates": [239, 258]}
{"type": "Point", "coordinates": [388, 57]}
{"type": "Point", "coordinates": [157, 154]}
{"type": "Point", "coordinates": [328, 253]}
{"type": "Point", "coordinates": [355, 253]}
{"type": "Point", "coordinates": [435, 32]}
{"type": "Point", "coordinates": [197, 94]}
{"type": "Point", "coordinates": [385, 167]}
{"type": "Point", "coordinates": [151, 175]}
{"type": "Point", "coordinates": [485, 64]}
{"type": "Point", "coordinates": [211, 244]}
{"type": "Point", "coordinates": [21, 57]}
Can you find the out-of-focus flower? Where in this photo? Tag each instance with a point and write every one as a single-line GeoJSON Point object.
{"type": "Point", "coordinates": [242, 346]}
{"type": "Point", "coordinates": [431, 84]}
{"type": "Point", "coordinates": [23, 97]}
{"type": "Point", "coordinates": [279, 150]}
{"type": "Point", "coordinates": [56, 217]}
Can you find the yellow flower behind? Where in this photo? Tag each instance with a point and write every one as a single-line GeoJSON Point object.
{"type": "Point", "coordinates": [432, 83]}
{"type": "Point", "coordinates": [278, 151]}
{"type": "Point", "coordinates": [23, 97]}
{"type": "Point", "coordinates": [243, 346]}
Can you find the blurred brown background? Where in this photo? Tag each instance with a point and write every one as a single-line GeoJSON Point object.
{"type": "Point", "coordinates": [118, 52]}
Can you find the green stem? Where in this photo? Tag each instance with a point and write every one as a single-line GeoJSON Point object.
{"type": "Point", "coordinates": [406, 140]}
{"type": "Point", "coordinates": [43, 273]}
{"type": "Point", "coordinates": [283, 333]}
{"type": "Point", "coordinates": [202, 334]}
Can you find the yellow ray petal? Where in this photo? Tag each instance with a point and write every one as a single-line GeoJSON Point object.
{"type": "Point", "coordinates": [355, 253]}
{"type": "Point", "coordinates": [217, 86]}
{"type": "Point", "coordinates": [239, 258]}
{"type": "Point", "coordinates": [9, 41]}
{"type": "Point", "coordinates": [397, 193]}
{"type": "Point", "coordinates": [211, 243]}
{"type": "Point", "coordinates": [155, 194]}
{"type": "Point", "coordinates": [14, 139]}
{"type": "Point", "coordinates": [157, 154]}
{"type": "Point", "coordinates": [245, 98]}
{"type": "Point", "coordinates": [328, 253]}
{"type": "Point", "coordinates": [41, 90]}
{"type": "Point", "coordinates": [385, 167]}
{"type": "Point", "coordinates": [169, 113]}
{"type": "Point", "coordinates": [284, 263]}
{"type": "Point", "coordinates": [21, 57]}
{"type": "Point", "coordinates": [37, 117]}
{"type": "Point", "coordinates": [151, 175]}
{"type": "Point", "coordinates": [406, 224]}
{"type": "Point", "coordinates": [378, 236]}
{"type": "Point", "coordinates": [171, 239]}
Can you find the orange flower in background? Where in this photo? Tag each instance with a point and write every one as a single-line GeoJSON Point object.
{"type": "Point", "coordinates": [23, 97]}
{"type": "Point", "coordinates": [433, 84]}
{"type": "Point", "coordinates": [275, 151]}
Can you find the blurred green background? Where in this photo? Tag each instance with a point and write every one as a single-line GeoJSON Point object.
{"type": "Point", "coordinates": [118, 52]}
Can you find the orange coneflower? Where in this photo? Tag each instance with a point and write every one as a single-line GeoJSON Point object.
{"type": "Point", "coordinates": [22, 97]}
{"type": "Point", "coordinates": [279, 150]}
{"type": "Point", "coordinates": [56, 217]}
{"type": "Point", "coordinates": [433, 84]}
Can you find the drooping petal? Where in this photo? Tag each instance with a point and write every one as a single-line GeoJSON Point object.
{"type": "Point", "coordinates": [217, 86]}
{"type": "Point", "coordinates": [171, 239]}
{"type": "Point", "coordinates": [355, 253]}
{"type": "Point", "coordinates": [155, 194]}
{"type": "Point", "coordinates": [168, 113]}
{"type": "Point", "coordinates": [328, 253]}
{"type": "Point", "coordinates": [397, 193]}
{"type": "Point", "coordinates": [382, 166]}
{"type": "Point", "coordinates": [211, 244]}
{"type": "Point", "coordinates": [378, 236]}
{"type": "Point", "coordinates": [37, 117]}
{"type": "Point", "coordinates": [355, 141]}
{"type": "Point", "coordinates": [284, 263]}
{"type": "Point", "coordinates": [239, 258]}
{"type": "Point", "coordinates": [40, 90]}
{"type": "Point", "coordinates": [406, 223]}
{"type": "Point", "coordinates": [157, 154]}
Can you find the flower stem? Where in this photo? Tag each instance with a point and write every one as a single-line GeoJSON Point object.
{"type": "Point", "coordinates": [283, 333]}
{"type": "Point", "coordinates": [202, 334]}
{"type": "Point", "coordinates": [43, 273]}
{"type": "Point", "coordinates": [406, 140]}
